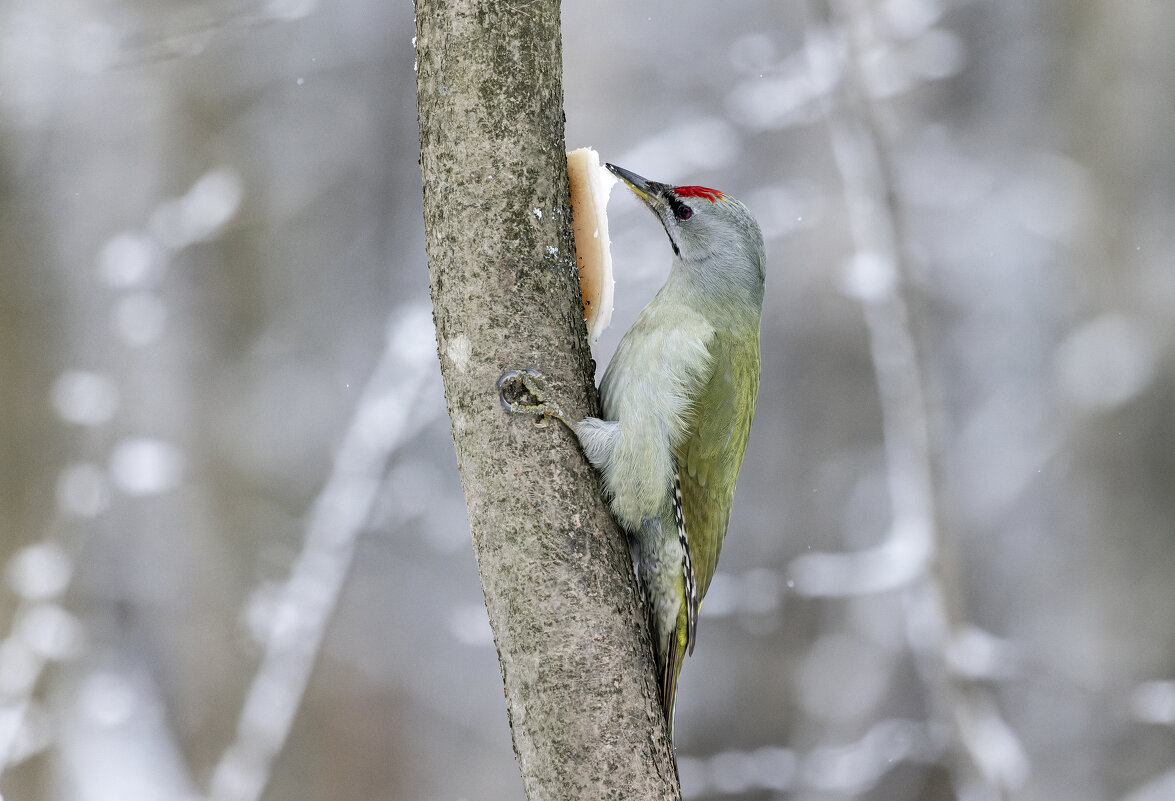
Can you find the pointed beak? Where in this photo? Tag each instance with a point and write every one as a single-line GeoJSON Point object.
{"type": "Point", "coordinates": [648, 191]}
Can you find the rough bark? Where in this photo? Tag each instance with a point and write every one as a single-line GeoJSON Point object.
{"type": "Point", "coordinates": [576, 660]}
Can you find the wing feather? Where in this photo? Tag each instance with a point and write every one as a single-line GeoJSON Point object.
{"type": "Point", "coordinates": [709, 460]}
{"type": "Point", "coordinates": [690, 586]}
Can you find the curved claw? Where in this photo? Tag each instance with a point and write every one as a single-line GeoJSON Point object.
{"type": "Point", "coordinates": [534, 383]}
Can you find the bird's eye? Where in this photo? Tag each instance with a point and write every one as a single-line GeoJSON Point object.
{"type": "Point", "coordinates": [683, 212]}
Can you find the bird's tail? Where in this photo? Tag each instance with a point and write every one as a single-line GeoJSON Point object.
{"type": "Point", "coordinates": [674, 656]}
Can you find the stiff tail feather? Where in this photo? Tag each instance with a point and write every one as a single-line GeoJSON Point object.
{"type": "Point", "coordinates": [671, 670]}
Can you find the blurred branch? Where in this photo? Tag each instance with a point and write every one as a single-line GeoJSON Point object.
{"type": "Point", "coordinates": [846, 769]}
{"type": "Point", "coordinates": [1159, 788]}
{"type": "Point", "coordinates": [116, 741]}
{"type": "Point", "coordinates": [988, 759]}
{"type": "Point", "coordinates": [571, 633]}
{"type": "Point", "coordinates": [390, 411]}
{"type": "Point", "coordinates": [42, 632]}
{"type": "Point", "coordinates": [164, 33]}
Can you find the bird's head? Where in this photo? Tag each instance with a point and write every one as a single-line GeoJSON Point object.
{"type": "Point", "coordinates": [709, 230]}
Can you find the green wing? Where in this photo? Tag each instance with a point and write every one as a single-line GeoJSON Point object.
{"type": "Point", "coordinates": [710, 459]}
{"type": "Point", "coordinates": [707, 468]}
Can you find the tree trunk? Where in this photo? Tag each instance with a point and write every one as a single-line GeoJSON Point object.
{"type": "Point", "coordinates": [576, 659]}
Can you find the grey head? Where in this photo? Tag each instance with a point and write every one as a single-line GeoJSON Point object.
{"type": "Point", "coordinates": [712, 234]}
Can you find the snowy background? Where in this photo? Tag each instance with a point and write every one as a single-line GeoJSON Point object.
{"type": "Point", "coordinates": [235, 560]}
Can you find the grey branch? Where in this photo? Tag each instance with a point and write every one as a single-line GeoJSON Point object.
{"type": "Point", "coordinates": [389, 411]}
{"type": "Point", "coordinates": [987, 759]}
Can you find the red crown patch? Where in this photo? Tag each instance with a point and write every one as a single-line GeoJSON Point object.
{"type": "Point", "coordinates": [711, 195]}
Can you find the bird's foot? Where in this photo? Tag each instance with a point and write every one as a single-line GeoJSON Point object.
{"type": "Point", "coordinates": [525, 392]}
